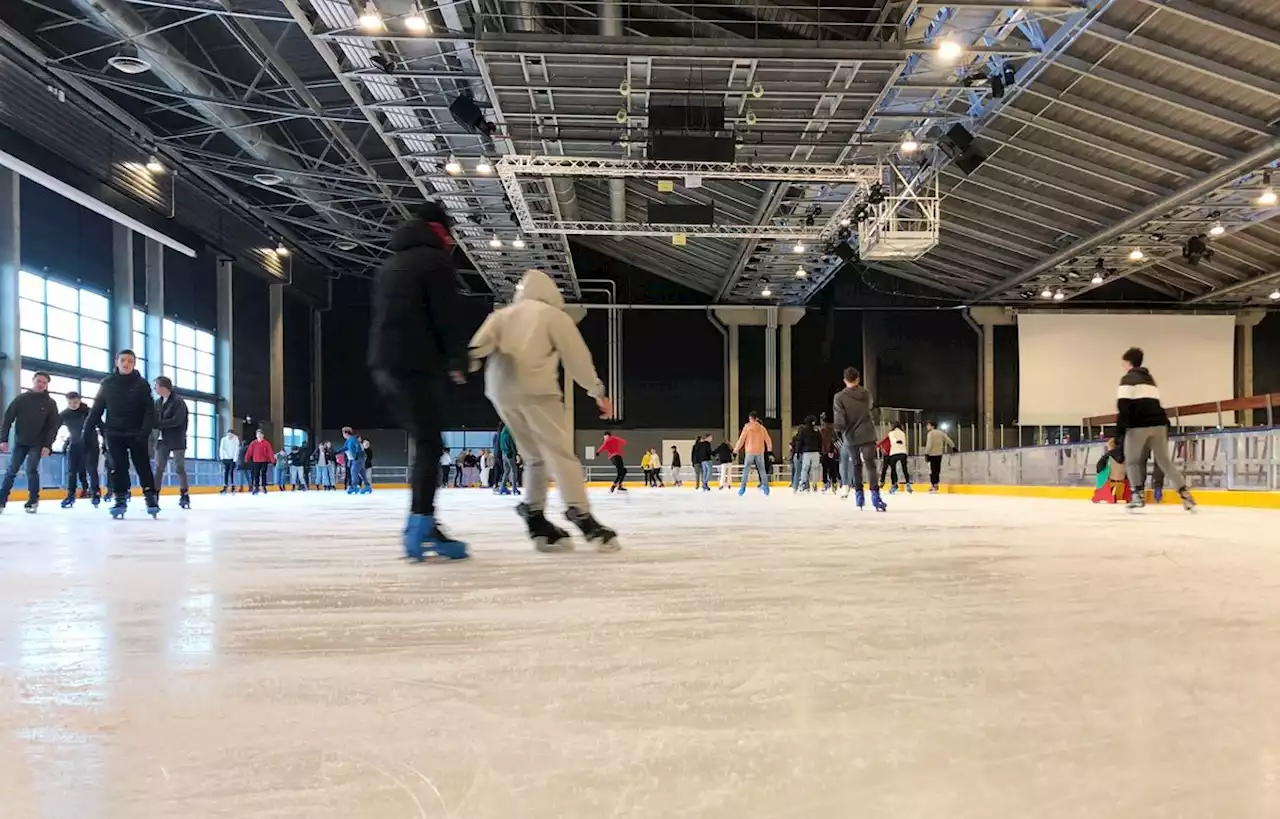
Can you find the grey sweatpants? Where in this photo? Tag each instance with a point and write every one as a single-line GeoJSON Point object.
{"type": "Point", "coordinates": [538, 426]}
{"type": "Point", "coordinates": [163, 453]}
{"type": "Point", "coordinates": [1139, 442]}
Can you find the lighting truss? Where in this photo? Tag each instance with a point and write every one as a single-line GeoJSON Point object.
{"type": "Point", "coordinates": [511, 169]}
{"type": "Point", "coordinates": [906, 225]}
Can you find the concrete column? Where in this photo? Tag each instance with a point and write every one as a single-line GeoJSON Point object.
{"type": "Point", "coordinates": [122, 290]}
{"type": "Point", "coordinates": [1246, 320]}
{"type": "Point", "coordinates": [224, 350]}
{"type": "Point", "coordinates": [733, 419]}
{"type": "Point", "coordinates": [317, 376]}
{"type": "Point", "coordinates": [785, 378]}
{"type": "Point", "coordinates": [577, 314]}
{"type": "Point", "coordinates": [869, 353]}
{"type": "Point", "coordinates": [10, 262]}
{"type": "Point", "coordinates": [275, 359]}
{"type": "Point", "coordinates": [154, 270]}
{"type": "Point", "coordinates": [989, 318]}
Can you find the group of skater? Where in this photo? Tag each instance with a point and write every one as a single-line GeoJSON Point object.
{"type": "Point", "coordinates": [254, 465]}
{"type": "Point", "coordinates": [819, 463]}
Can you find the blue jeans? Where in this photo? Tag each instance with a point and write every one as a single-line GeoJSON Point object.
{"type": "Point", "coordinates": [324, 475]}
{"type": "Point", "coordinates": [704, 471]}
{"type": "Point", "coordinates": [758, 462]}
{"type": "Point", "coordinates": [795, 472]}
{"type": "Point", "coordinates": [18, 455]}
{"type": "Point", "coordinates": [358, 478]}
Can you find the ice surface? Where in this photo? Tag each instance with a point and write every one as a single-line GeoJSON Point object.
{"type": "Point", "coordinates": [955, 658]}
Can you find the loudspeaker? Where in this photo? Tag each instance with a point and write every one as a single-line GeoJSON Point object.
{"type": "Point", "coordinates": [691, 148]}
{"type": "Point", "coordinates": [846, 252]}
{"type": "Point", "coordinates": [957, 144]}
{"type": "Point", "coordinates": [661, 214]}
{"type": "Point", "coordinates": [682, 117]}
{"type": "Point", "coordinates": [467, 114]}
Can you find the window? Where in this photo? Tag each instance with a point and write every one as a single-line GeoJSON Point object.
{"type": "Point", "coordinates": [202, 429]}
{"type": "Point", "coordinates": [63, 324]}
{"type": "Point", "coordinates": [294, 437]}
{"type": "Point", "coordinates": [187, 355]}
{"type": "Point", "coordinates": [59, 386]}
{"type": "Point", "coordinates": [140, 339]}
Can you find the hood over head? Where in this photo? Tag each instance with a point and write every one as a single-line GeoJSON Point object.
{"type": "Point", "coordinates": [538, 286]}
{"type": "Point", "coordinates": [419, 233]}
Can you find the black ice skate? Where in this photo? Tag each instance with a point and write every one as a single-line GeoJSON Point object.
{"type": "Point", "coordinates": [1188, 502]}
{"type": "Point", "coordinates": [184, 501]}
{"type": "Point", "coordinates": [121, 506]}
{"type": "Point", "coordinates": [1138, 501]}
{"type": "Point", "coordinates": [604, 538]}
{"type": "Point", "coordinates": [68, 502]}
{"type": "Point", "coordinates": [30, 506]}
{"type": "Point", "coordinates": [547, 537]}
{"type": "Point", "coordinates": [153, 505]}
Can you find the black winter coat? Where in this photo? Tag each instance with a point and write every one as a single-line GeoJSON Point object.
{"type": "Point", "coordinates": [810, 439]}
{"type": "Point", "coordinates": [74, 420]}
{"type": "Point", "coordinates": [171, 419]}
{"type": "Point", "coordinates": [36, 418]}
{"type": "Point", "coordinates": [724, 453]}
{"type": "Point", "coordinates": [126, 402]}
{"type": "Point", "coordinates": [701, 452]}
{"type": "Point", "coordinates": [416, 330]}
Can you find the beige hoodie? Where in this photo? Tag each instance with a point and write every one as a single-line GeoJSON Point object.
{"type": "Point", "coordinates": [526, 342]}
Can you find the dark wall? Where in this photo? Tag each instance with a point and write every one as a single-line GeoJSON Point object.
{"type": "Point", "coordinates": [1266, 355]}
{"type": "Point", "coordinates": [63, 240]}
{"type": "Point", "coordinates": [297, 362]}
{"type": "Point", "coordinates": [1006, 375]}
{"type": "Point", "coordinates": [927, 361]}
{"type": "Point", "coordinates": [190, 288]}
{"type": "Point", "coordinates": [823, 343]}
{"type": "Point", "coordinates": [251, 375]}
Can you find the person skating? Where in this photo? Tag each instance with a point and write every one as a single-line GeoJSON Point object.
{"type": "Point", "coordinates": [281, 461]}
{"type": "Point", "coordinates": [228, 452]}
{"type": "Point", "coordinates": [851, 410]}
{"type": "Point", "coordinates": [324, 466]}
{"type": "Point", "coordinates": [810, 454]}
{"type": "Point", "coordinates": [244, 468]}
{"type": "Point", "coordinates": [700, 459]}
{"type": "Point", "coordinates": [124, 399]}
{"type": "Point", "coordinates": [524, 345]}
{"type": "Point", "coordinates": [510, 476]}
{"type": "Point", "coordinates": [754, 442]}
{"type": "Point", "coordinates": [675, 467]}
{"type": "Point", "coordinates": [612, 447]}
{"type": "Point", "coordinates": [355, 457]}
{"type": "Point", "coordinates": [367, 446]}
{"type": "Point", "coordinates": [259, 456]}
{"type": "Point", "coordinates": [936, 444]}
{"type": "Point", "coordinates": [171, 420]}
{"type": "Point", "coordinates": [33, 418]}
{"type": "Point", "coordinates": [1143, 426]}
{"type": "Point", "coordinates": [76, 452]}
{"type": "Point", "coordinates": [298, 460]}
{"type": "Point", "coordinates": [724, 458]}
{"type": "Point", "coordinates": [897, 458]}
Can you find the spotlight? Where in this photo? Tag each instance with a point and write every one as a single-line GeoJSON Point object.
{"type": "Point", "coordinates": [452, 166]}
{"type": "Point", "coordinates": [1046, 293]}
{"type": "Point", "coordinates": [798, 247]}
{"type": "Point", "coordinates": [752, 119]}
{"type": "Point", "coordinates": [1097, 278]}
{"type": "Point", "coordinates": [371, 20]}
{"type": "Point", "coordinates": [1136, 255]}
{"type": "Point", "coordinates": [268, 179]}
{"type": "Point", "coordinates": [345, 244]}
{"type": "Point", "coordinates": [154, 165]}
{"type": "Point", "coordinates": [766, 292]}
{"type": "Point", "coordinates": [622, 116]}
{"type": "Point", "coordinates": [1058, 295]}
{"type": "Point", "coordinates": [808, 220]}
{"type": "Point", "coordinates": [281, 250]}
{"type": "Point", "coordinates": [1217, 229]}
{"type": "Point", "coordinates": [417, 24]}
{"type": "Point", "coordinates": [519, 285]}
{"type": "Point", "coordinates": [625, 88]}
{"type": "Point", "coordinates": [483, 166]}
{"type": "Point", "coordinates": [757, 90]}
{"type": "Point", "coordinates": [949, 51]}
{"type": "Point", "coordinates": [1275, 295]}
{"type": "Point", "coordinates": [845, 222]}
{"type": "Point", "coordinates": [495, 241]}
{"type": "Point", "coordinates": [801, 273]}
{"type": "Point", "coordinates": [518, 243]}
{"type": "Point", "coordinates": [909, 144]}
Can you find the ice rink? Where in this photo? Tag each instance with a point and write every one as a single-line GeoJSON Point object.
{"type": "Point", "coordinates": [958, 657]}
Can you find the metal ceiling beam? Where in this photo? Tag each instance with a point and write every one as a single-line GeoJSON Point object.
{"type": "Point", "coordinates": [214, 9]}
{"type": "Point", "coordinates": [1248, 29]}
{"type": "Point", "coordinates": [768, 204]}
{"type": "Point", "coordinates": [1251, 161]}
{"type": "Point", "coordinates": [1239, 287]}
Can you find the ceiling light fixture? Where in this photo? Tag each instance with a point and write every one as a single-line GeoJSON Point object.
{"type": "Point", "coordinates": [268, 179]}
{"type": "Point", "coordinates": [622, 116]}
{"type": "Point", "coordinates": [1058, 295]}
{"type": "Point", "coordinates": [909, 144]}
{"type": "Point", "coordinates": [129, 61]}
{"type": "Point", "coordinates": [417, 24]}
{"type": "Point", "coordinates": [1046, 293]}
{"type": "Point", "coordinates": [281, 250]}
{"type": "Point", "coordinates": [1217, 229]}
{"type": "Point", "coordinates": [495, 241]}
{"type": "Point", "coordinates": [518, 243]}
{"type": "Point", "coordinates": [624, 88]}
{"type": "Point", "coordinates": [1097, 278]}
{"type": "Point", "coordinates": [483, 166]}
{"type": "Point", "coordinates": [1268, 195]}
{"type": "Point", "coordinates": [845, 222]}
{"type": "Point", "coordinates": [371, 20]}
{"type": "Point", "coordinates": [1275, 295]}
{"type": "Point", "coordinates": [452, 166]}
{"type": "Point", "coordinates": [345, 244]}
{"type": "Point", "coordinates": [798, 247]}
{"type": "Point", "coordinates": [801, 273]}
{"type": "Point", "coordinates": [949, 50]}
{"type": "Point", "coordinates": [757, 90]}
{"type": "Point", "coordinates": [155, 165]}
{"type": "Point", "coordinates": [1136, 255]}
{"type": "Point", "coordinates": [766, 292]}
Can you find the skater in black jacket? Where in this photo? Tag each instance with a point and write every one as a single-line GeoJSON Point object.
{"type": "Point", "coordinates": [35, 417]}
{"type": "Point", "coordinates": [79, 438]}
{"type": "Point", "coordinates": [130, 415]}
{"type": "Point", "coordinates": [171, 419]}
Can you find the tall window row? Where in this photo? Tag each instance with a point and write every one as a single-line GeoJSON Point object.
{"type": "Point", "coordinates": [62, 324]}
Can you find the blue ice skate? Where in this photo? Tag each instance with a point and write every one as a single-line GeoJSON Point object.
{"type": "Point", "coordinates": [876, 503]}
{"type": "Point", "coordinates": [893, 489]}
{"type": "Point", "coordinates": [368, 490]}
{"type": "Point", "coordinates": [764, 487]}
{"type": "Point", "coordinates": [860, 497]}
{"type": "Point", "coordinates": [1157, 495]}
{"type": "Point", "coordinates": [423, 540]}
{"type": "Point", "coordinates": [742, 491]}
{"type": "Point", "coordinates": [118, 510]}
{"type": "Point", "coordinates": [909, 489]}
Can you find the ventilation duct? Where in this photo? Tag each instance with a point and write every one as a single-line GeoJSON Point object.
{"type": "Point", "coordinates": [611, 26]}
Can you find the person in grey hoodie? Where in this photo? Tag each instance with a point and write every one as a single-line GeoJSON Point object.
{"type": "Point", "coordinates": [524, 345]}
{"type": "Point", "coordinates": [852, 413]}
{"type": "Point", "coordinates": [936, 444]}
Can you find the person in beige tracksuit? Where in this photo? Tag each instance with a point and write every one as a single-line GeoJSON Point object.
{"type": "Point", "coordinates": [525, 344]}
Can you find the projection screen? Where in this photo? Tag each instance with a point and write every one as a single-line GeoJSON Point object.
{"type": "Point", "coordinates": [1069, 364]}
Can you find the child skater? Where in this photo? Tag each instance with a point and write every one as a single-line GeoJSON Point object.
{"type": "Point", "coordinates": [525, 344]}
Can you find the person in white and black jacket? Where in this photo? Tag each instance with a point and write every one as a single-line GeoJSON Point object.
{"type": "Point", "coordinates": [1142, 429]}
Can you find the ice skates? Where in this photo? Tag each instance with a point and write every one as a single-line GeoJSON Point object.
{"type": "Point", "coordinates": [547, 537]}
{"type": "Point", "coordinates": [424, 541]}
{"type": "Point", "coordinates": [68, 502]}
{"type": "Point", "coordinates": [30, 506]}
{"type": "Point", "coordinates": [1188, 502]}
{"type": "Point", "coordinates": [184, 501]}
{"type": "Point", "coordinates": [119, 508]}
{"type": "Point", "coordinates": [95, 499]}
{"type": "Point", "coordinates": [604, 538]}
{"type": "Point", "coordinates": [1137, 502]}
{"type": "Point", "coordinates": [859, 497]}
{"type": "Point", "coordinates": [153, 504]}
{"type": "Point", "coordinates": [1157, 495]}
{"type": "Point", "coordinates": [893, 489]}
{"type": "Point", "coordinates": [876, 503]}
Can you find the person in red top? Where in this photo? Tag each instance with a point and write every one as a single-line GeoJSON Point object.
{"type": "Point", "coordinates": [258, 456]}
{"type": "Point", "coordinates": [612, 446]}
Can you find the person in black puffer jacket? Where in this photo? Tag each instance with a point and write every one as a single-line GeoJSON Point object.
{"type": "Point", "coordinates": [124, 398]}
{"type": "Point", "coordinates": [171, 419]}
{"type": "Point", "coordinates": [810, 439]}
{"type": "Point", "coordinates": [35, 416]}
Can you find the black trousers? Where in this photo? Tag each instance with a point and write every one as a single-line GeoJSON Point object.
{"type": "Point", "coordinates": [620, 467]}
{"type": "Point", "coordinates": [863, 455]}
{"type": "Point", "coordinates": [92, 456]}
{"type": "Point", "coordinates": [258, 476]}
{"type": "Point", "coordinates": [935, 468]}
{"type": "Point", "coordinates": [416, 405]}
{"type": "Point", "coordinates": [123, 449]}
{"type": "Point", "coordinates": [890, 468]}
{"type": "Point", "coordinates": [228, 474]}
{"type": "Point", "coordinates": [76, 468]}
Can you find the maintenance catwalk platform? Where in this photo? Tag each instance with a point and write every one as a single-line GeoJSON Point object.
{"type": "Point", "coordinates": [956, 658]}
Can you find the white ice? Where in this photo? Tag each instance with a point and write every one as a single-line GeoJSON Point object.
{"type": "Point", "coordinates": [954, 658]}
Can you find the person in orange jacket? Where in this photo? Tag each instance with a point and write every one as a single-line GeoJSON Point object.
{"type": "Point", "coordinates": [755, 442]}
